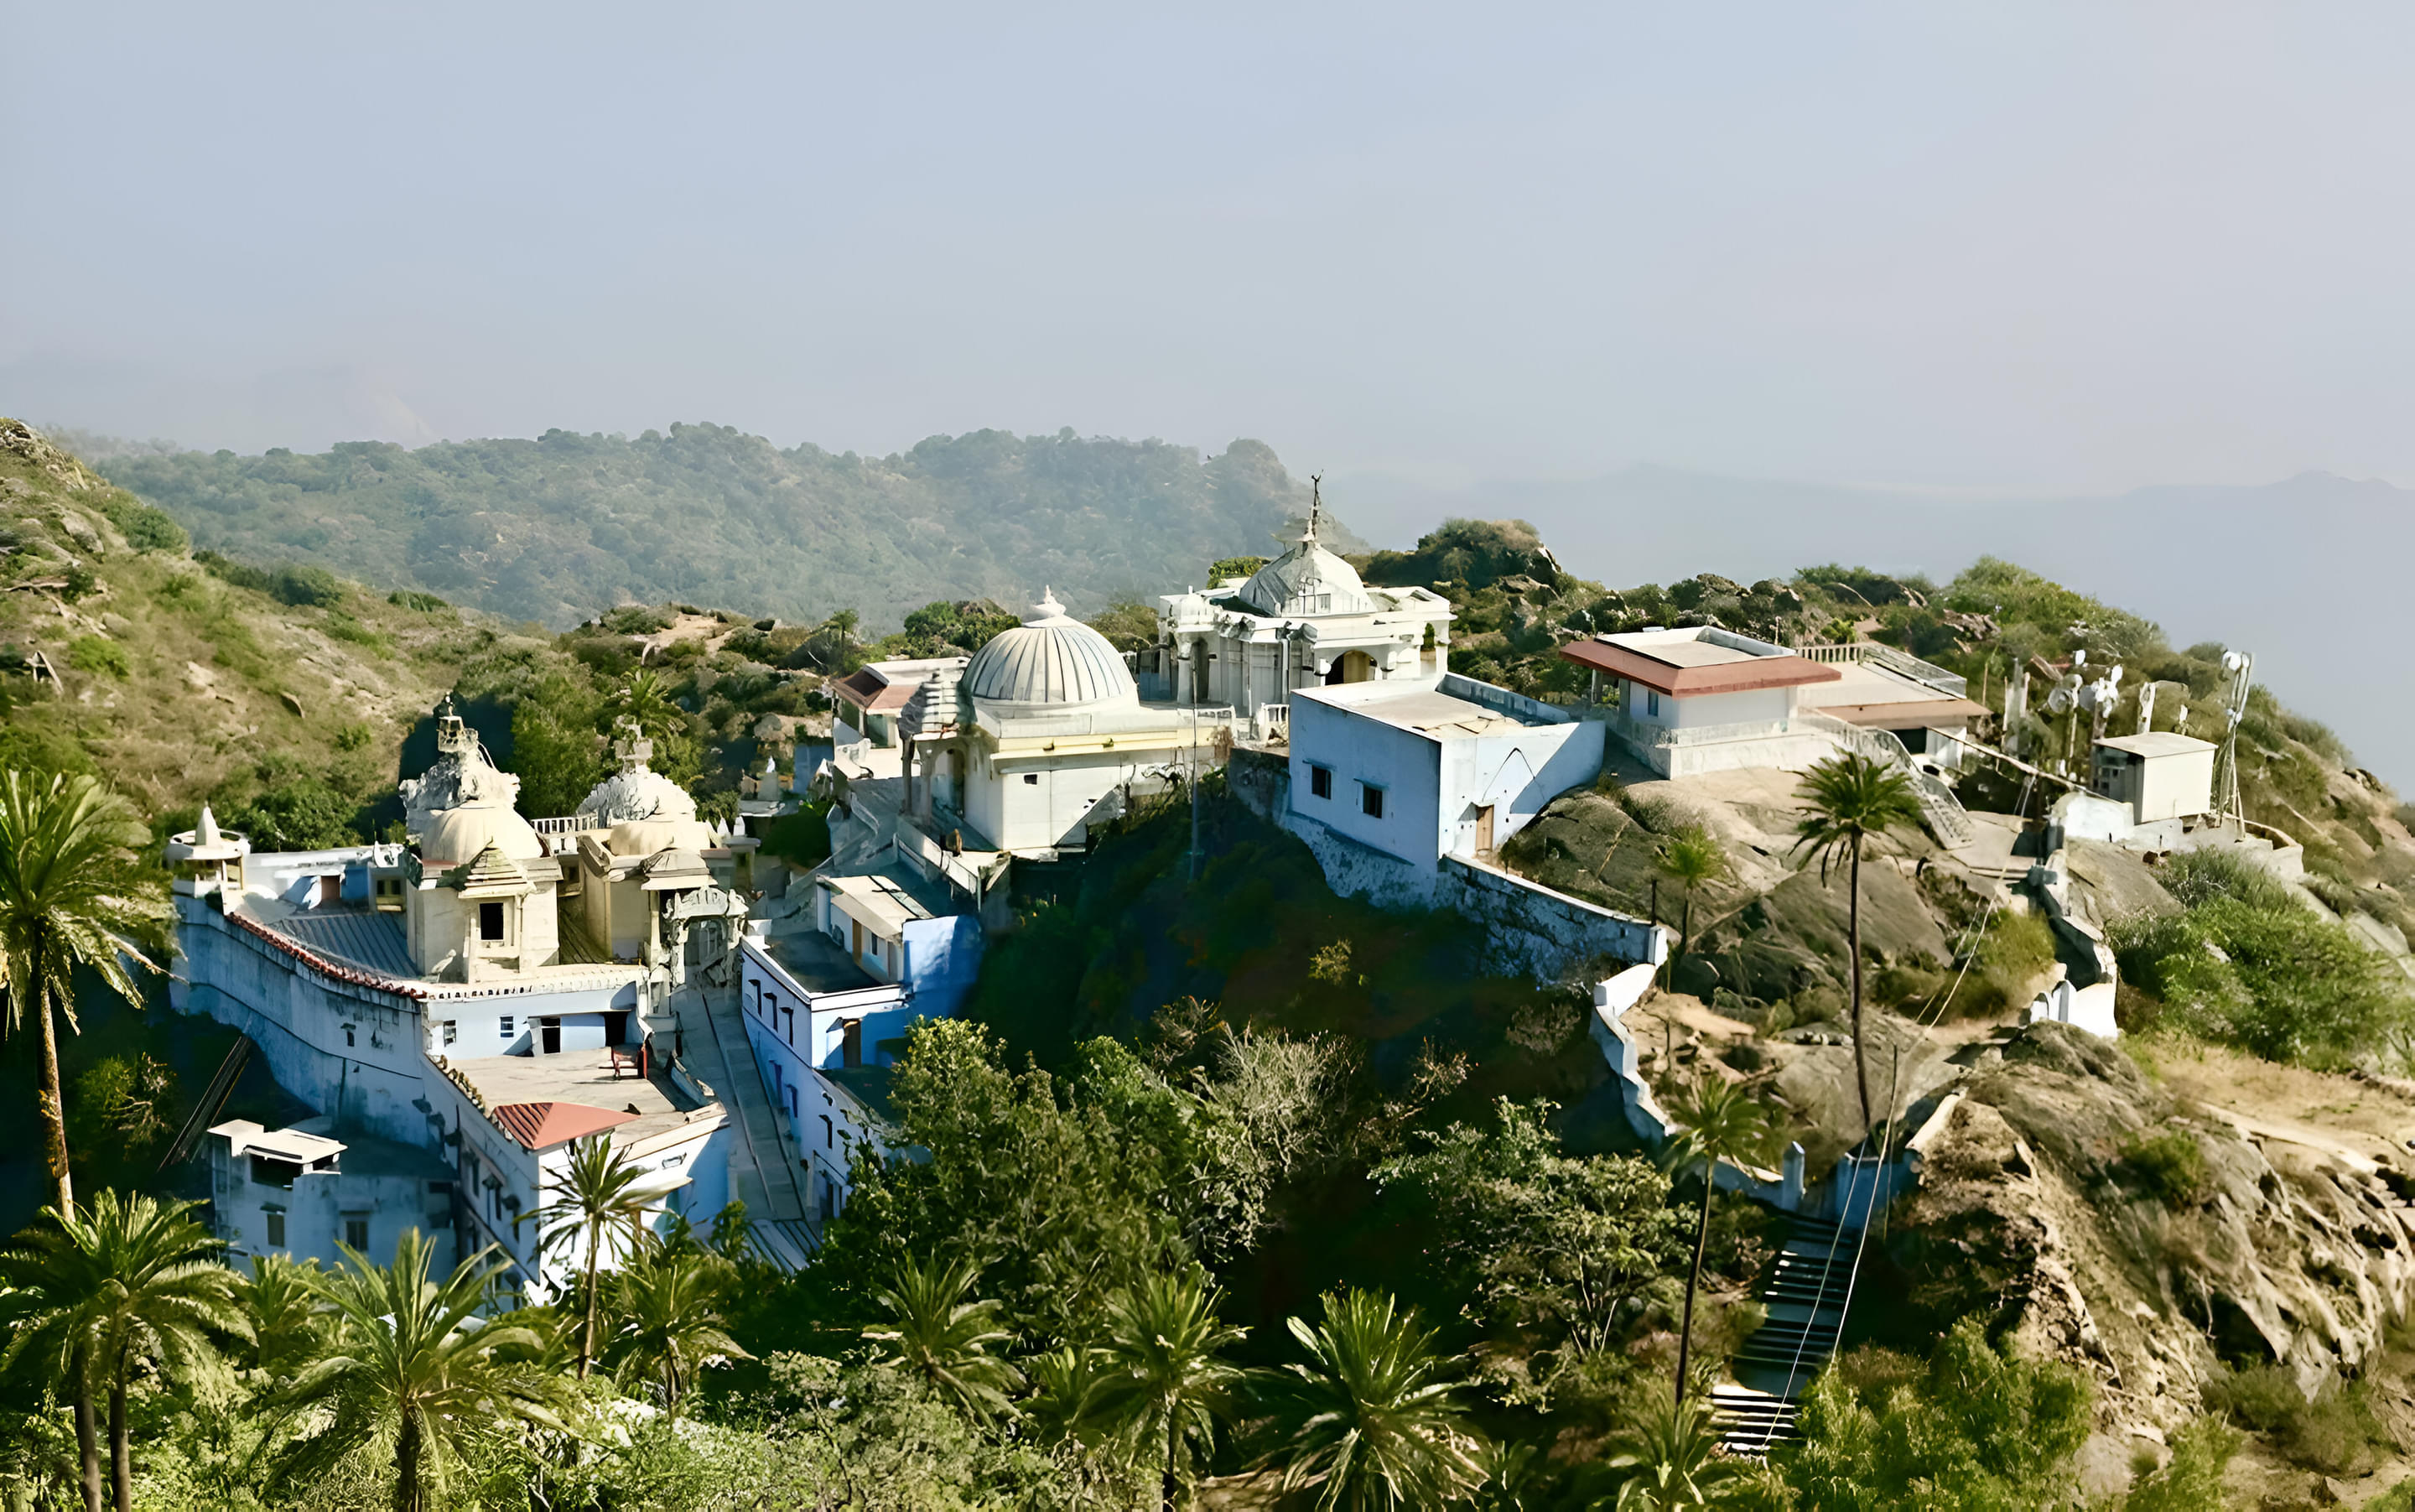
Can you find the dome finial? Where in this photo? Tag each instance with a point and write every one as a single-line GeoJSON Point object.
{"type": "Point", "coordinates": [208, 833]}
{"type": "Point", "coordinates": [1316, 506]}
{"type": "Point", "coordinates": [1047, 609]}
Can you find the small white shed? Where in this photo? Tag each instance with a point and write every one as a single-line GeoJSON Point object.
{"type": "Point", "coordinates": [2162, 775]}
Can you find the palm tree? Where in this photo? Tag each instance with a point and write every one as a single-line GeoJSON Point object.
{"type": "Point", "coordinates": [597, 1193]}
{"type": "Point", "coordinates": [412, 1362]}
{"type": "Point", "coordinates": [70, 895]}
{"type": "Point", "coordinates": [1065, 1382]}
{"type": "Point", "coordinates": [1371, 1420]}
{"type": "Point", "coordinates": [1851, 798]}
{"type": "Point", "coordinates": [283, 1300]}
{"type": "Point", "coordinates": [1691, 860]}
{"type": "Point", "coordinates": [1676, 1462]}
{"type": "Point", "coordinates": [1165, 1384]}
{"type": "Point", "coordinates": [1721, 1123]}
{"type": "Point", "coordinates": [671, 1303]}
{"type": "Point", "coordinates": [129, 1281]}
{"type": "Point", "coordinates": [945, 1338]}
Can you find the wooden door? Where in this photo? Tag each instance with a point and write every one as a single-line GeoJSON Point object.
{"type": "Point", "coordinates": [1484, 830]}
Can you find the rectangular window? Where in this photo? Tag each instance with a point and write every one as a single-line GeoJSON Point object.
{"type": "Point", "coordinates": [1652, 702]}
{"type": "Point", "coordinates": [276, 1218]}
{"type": "Point", "coordinates": [490, 922]}
{"type": "Point", "coordinates": [357, 1231]}
{"type": "Point", "coordinates": [826, 1132]}
{"type": "Point", "coordinates": [1320, 780]}
{"type": "Point", "coordinates": [273, 1173]}
{"type": "Point", "coordinates": [851, 1044]}
{"type": "Point", "coordinates": [1371, 801]}
{"type": "Point", "coordinates": [508, 1025]}
{"type": "Point", "coordinates": [1032, 778]}
{"type": "Point", "coordinates": [452, 1031]}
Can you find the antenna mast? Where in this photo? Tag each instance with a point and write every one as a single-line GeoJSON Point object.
{"type": "Point", "coordinates": [2227, 801]}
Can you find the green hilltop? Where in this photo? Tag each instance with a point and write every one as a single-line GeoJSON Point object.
{"type": "Point", "coordinates": [558, 529]}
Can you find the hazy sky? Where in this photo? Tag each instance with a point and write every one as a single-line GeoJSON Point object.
{"type": "Point", "coordinates": [1979, 249]}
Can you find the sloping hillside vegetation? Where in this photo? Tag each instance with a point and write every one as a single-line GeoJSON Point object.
{"type": "Point", "coordinates": [559, 527]}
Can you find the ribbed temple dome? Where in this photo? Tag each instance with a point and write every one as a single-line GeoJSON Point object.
{"type": "Point", "coordinates": [1051, 660]}
{"type": "Point", "coordinates": [1307, 579]}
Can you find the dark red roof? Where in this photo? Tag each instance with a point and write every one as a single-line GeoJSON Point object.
{"type": "Point", "coordinates": [1684, 681]}
{"type": "Point", "coordinates": [866, 691]}
{"type": "Point", "coordinates": [541, 1126]}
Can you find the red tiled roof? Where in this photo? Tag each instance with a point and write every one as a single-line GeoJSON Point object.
{"type": "Point", "coordinates": [867, 692]}
{"type": "Point", "coordinates": [1684, 681]}
{"type": "Point", "coordinates": [541, 1126]}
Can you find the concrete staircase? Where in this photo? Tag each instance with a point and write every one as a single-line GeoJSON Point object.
{"type": "Point", "coordinates": [1803, 1301]}
{"type": "Point", "coordinates": [1938, 808]}
{"type": "Point", "coordinates": [761, 1173]}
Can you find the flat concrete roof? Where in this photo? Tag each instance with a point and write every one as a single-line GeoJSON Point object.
{"type": "Point", "coordinates": [585, 1078]}
{"type": "Point", "coordinates": [1436, 715]}
{"type": "Point", "coordinates": [889, 895]}
{"type": "Point", "coordinates": [817, 963]}
{"type": "Point", "coordinates": [1867, 683]}
{"type": "Point", "coordinates": [2156, 743]}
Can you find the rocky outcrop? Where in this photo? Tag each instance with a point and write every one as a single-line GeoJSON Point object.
{"type": "Point", "coordinates": [2145, 1240]}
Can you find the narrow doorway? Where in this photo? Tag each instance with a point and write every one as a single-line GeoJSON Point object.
{"type": "Point", "coordinates": [549, 1036]}
{"type": "Point", "coordinates": [1484, 830]}
{"type": "Point", "coordinates": [616, 1028]}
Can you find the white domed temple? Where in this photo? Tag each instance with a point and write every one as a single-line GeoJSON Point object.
{"type": "Point", "coordinates": [1303, 620]}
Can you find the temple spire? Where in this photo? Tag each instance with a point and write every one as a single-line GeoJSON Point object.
{"type": "Point", "coordinates": [1316, 506]}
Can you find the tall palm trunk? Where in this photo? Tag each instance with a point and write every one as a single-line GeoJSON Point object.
{"type": "Point", "coordinates": [1694, 1277]}
{"type": "Point", "coordinates": [121, 1464]}
{"type": "Point", "coordinates": [1853, 942]}
{"type": "Point", "coordinates": [587, 1332]}
{"type": "Point", "coordinates": [54, 1116]}
{"type": "Point", "coordinates": [1171, 1441]}
{"type": "Point", "coordinates": [88, 1430]}
{"type": "Point", "coordinates": [406, 1463]}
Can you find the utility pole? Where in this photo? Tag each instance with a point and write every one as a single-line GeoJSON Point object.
{"type": "Point", "coordinates": [1192, 782]}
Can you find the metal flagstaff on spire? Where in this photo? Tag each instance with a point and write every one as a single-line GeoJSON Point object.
{"type": "Point", "coordinates": [1316, 505]}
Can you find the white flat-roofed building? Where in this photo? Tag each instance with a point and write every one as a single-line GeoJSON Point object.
{"type": "Point", "coordinates": [2161, 775]}
{"type": "Point", "coordinates": [1707, 700]}
{"type": "Point", "coordinates": [1423, 773]}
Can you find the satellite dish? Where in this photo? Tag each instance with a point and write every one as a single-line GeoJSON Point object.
{"type": "Point", "coordinates": [2079, 658]}
{"type": "Point", "coordinates": [2059, 701]}
{"type": "Point", "coordinates": [2231, 661]}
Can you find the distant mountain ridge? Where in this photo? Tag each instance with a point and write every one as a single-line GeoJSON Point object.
{"type": "Point", "coordinates": [559, 527]}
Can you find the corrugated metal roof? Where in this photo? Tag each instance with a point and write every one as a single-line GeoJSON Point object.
{"type": "Point", "coordinates": [372, 941]}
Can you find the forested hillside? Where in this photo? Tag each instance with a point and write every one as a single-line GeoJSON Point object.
{"type": "Point", "coordinates": [559, 527]}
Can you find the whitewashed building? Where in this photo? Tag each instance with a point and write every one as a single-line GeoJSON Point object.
{"type": "Point", "coordinates": [450, 1037]}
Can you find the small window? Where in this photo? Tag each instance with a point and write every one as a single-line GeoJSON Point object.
{"type": "Point", "coordinates": [1652, 702]}
{"type": "Point", "coordinates": [508, 1025]}
{"type": "Point", "coordinates": [348, 1035]}
{"type": "Point", "coordinates": [490, 922]}
{"type": "Point", "coordinates": [452, 1031]}
{"type": "Point", "coordinates": [851, 1044]}
{"type": "Point", "coordinates": [1032, 778]}
{"type": "Point", "coordinates": [271, 1173]}
{"type": "Point", "coordinates": [1320, 780]}
{"type": "Point", "coordinates": [275, 1216]}
{"type": "Point", "coordinates": [826, 1132]}
{"type": "Point", "coordinates": [357, 1231]}
{"type": "Point", "coordinates": [1371, 801]}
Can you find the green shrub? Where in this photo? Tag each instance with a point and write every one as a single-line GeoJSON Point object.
{"type": "Point", "coordinates": [2331, 1433]}
{"type": "Point", "coordinates": [306, 587]}
{"type": "Point", "coordinates": [296, 813]}
{"type": "Point", "coordinates": [405, 598]}
{"type": "Point", "coordinates": [240, 573]}
{"type": "Point", "coordinates": [343, 626]}
{"type": "Point", "coordinates": [2191, 1479]}
{"type": "Point", "coordinates": [352, 737]}
{"type": "Point", "coordinates": [2169, 1167]}
{"type": "Point", "coordinates": [803, 838]}
{"type": "Point", "coordinates": [99, 655]}
{"type": "Point", "coordinates": [2280, 981]}
{"type": "Point", "coordinates": [146, 529]}
{"type": "Point", "coordinates": [2197, 878]}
